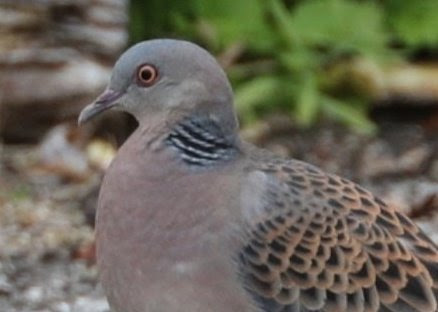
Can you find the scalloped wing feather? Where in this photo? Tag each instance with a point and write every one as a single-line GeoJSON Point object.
{"type": "Point", "coordinates": [318, 242]}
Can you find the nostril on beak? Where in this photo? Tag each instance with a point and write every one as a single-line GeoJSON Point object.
{"type": "Point", "coordinates": [105, 101]}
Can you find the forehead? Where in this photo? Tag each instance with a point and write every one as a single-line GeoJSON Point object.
{"type": "Point", "coordinates": [163, 53]}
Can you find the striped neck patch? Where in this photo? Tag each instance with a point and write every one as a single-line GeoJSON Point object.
{"type": "Point", "coordinates": [200, 142]}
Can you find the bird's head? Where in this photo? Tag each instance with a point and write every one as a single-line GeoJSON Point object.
{"type": "Point", "coordinates": [162, 77]}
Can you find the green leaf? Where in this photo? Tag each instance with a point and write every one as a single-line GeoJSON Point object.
{"type": "Point", "coordinates": [242, 20]}
{"type": "Point", "coordinates": [282, 19]}
{"type": "Point", "coordinates": [414, 22]}
{"type": "Point", "coordinates": [300, 59]}
{"type": "Point", "coordinates": [341, 26]}
{"type": "Point", "coordinates": [349, 114]}
{"type": "Point", "coordinates": [307, 105]}
{"type": "Point", "coordinates": [254, 92]}
{"type": "Point", "coordinates": [154, 18]}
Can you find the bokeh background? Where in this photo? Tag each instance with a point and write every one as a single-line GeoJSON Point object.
{"type": "Point", "coordinates": [348, 85]}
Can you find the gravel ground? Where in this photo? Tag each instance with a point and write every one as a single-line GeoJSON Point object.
{"type": "Point", "coordinates": [46, 240]}
{"type": "Point", "coordinates": [47, 260]}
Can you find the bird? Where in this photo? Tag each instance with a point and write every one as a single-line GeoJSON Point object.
{"type": "Point", "coordinates": [190, 217]}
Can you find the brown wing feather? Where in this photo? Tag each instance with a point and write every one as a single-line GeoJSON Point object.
{"type": "Point", "coordinates": [323, 243]}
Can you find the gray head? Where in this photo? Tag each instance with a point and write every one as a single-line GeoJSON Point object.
{"type": "Point", "coordinates": [167, 77]}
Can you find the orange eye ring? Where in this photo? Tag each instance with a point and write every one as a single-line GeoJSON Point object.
{"type": "Point", "coordinates": [147, 75]}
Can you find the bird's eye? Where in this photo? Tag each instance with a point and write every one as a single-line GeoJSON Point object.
{"type": "Point", "coordinates": [147, 75]}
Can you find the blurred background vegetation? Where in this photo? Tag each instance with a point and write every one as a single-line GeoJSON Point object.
{"type": "Point", "coordinates": [310, 59]}
{"type": "Point", "coordinates": [305, 72]}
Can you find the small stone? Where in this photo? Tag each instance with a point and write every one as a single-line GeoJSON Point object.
{"type": "Point", "coordinates": [85, 304]}
{"type": "Point", "coordinates": [34, 294]}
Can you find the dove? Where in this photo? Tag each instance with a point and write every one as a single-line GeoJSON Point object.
{"type": "Point", "coordinates": [192, 218]}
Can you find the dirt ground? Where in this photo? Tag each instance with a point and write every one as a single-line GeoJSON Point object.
{"type": "Point", "coordinates": [47, 260]}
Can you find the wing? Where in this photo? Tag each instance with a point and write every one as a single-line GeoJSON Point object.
{"type": "Point", "coordinates": [318, 242]}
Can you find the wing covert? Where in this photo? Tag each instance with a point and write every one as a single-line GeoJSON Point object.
{"type": "Point", "coordinates": [318, 242]}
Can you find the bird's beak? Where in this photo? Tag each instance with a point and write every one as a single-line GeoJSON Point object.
{"type": "Point", "coordinates": [106, 100]}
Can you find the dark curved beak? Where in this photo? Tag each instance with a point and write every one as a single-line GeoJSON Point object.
{"type": "Point", "coordinates": [105, 101]}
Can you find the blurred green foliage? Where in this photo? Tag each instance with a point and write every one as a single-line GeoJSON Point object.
{"type": "Point", "coordinates": [291, 55]}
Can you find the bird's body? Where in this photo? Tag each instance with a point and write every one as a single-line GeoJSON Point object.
{"type": "Point", "coordinates": [175, 257]}
{"type": "Point", "coordinates": [190, 218]}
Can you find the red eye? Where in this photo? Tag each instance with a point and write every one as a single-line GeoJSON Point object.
{"type": "Point", "coordinates": [146, 75]}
